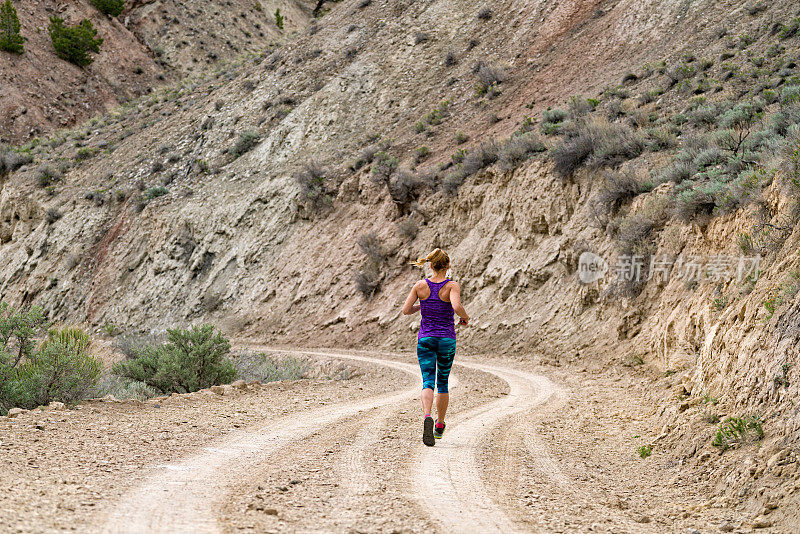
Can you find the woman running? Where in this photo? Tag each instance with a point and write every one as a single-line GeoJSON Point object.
{"type": "Point", "coordinates": [438, 298]}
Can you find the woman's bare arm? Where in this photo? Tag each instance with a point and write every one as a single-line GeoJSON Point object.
{"type": "Point", "coordinates": [455, 300]}
{"type": "Point", "coordinates": [409, 308]}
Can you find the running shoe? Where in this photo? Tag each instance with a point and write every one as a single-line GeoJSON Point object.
{"type": "Point", "coordinates": [427, 432]}
{"type": "Point", "coordinates": [438, 430]}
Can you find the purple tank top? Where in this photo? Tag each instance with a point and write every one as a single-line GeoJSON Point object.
{"type": "Point", "coordinates": [437, 315]}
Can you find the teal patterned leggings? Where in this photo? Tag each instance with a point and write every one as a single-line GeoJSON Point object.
{"type": "Point", "coordinates": [435, 355]}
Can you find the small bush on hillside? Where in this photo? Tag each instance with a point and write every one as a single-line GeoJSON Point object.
{"type": "Point", "coordinates": [47, 175]}
{"type": "Point", "coordinates": [485, 13]}
{"type": "Point", "coordinates": [790, 95]}
{"type": "Point", "coordinates": [370, 245]}
{"type": "Point", "coordinates": [122, 388]}
{"type": "Point", "coordinates": [677, 172]}
{"type": "Point", "coordinates": [154, 192]}
{"type": "Point", "coordinates": [597, 143]}
{"type": "Point", "coordinates": [789, 30]}
{"type": "Point", "coordinates": [737, 430]}
{"type": "Point", "coordinates": [571, 153]}
{"type": "Point", "coordinates": [616, 189]}
{"type": "Point", "coordinates": [258, 366]}
{"type": "Point", "coordinates": [579, 106]}
{"type": "Point", "coordinates": [420, 153]}
{"type": "Point", "coordinates": [693, 199]}
{"type": "Point", "coordinates": [481, 157]}
{"type": "Point", "coordinates": [279, 19]}
{"type": "Point", "coordinates": [112, 8]}
{"type": "Point", "coordinates": [74, 43]}
{"type": "Point", "coordinates": [552, 120]}
{"type": "Point", "coordinates": [383, 167]}
{"type": "Point", "coordinates": [407, 229]}
{"type": "Point", "coordinates": [369, 276]}
{"type": "Point", "coordinates": [704, 115]}
{"type": "Point", "coordinates": [10, 38]}
{"type": "Point", "coordinates": [312, 180]}
{"type": "Point", "coordinates": [367, 279]}
{"type": "Point", "coordinates": [11, 160]}
{"type": "Point", "coordinates": [489, 76]}
{"type": "Point", "coordinates": [404, 188]}
{"type": "Point", "coordinates": [246, 141]}
{"type": "Point", "coordinates": [59, 369]}
{"type": "Point", "coordinates": [366, 157]}
{"type": "Point", "coordinates": [633, 234]}
{"type": "Point", "coordinates": [190, 360]}
{"type": "Point", "coordinates": [741, 115]}
{"type": "Point", "coordinates": [661, 139]}
{"type": "Point", "coordinates": [518, 149]}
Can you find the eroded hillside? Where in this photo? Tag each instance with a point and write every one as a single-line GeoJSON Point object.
{"type": "Point", "coordinates": [268, 197]}
{"type": "Point", "coordinates": [152, 43]}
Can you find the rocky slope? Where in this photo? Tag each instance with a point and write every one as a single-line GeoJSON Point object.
{"type": "Point", "coordinates": [151, 43]}
{"type": "Point", "coordinates": [184, 206]}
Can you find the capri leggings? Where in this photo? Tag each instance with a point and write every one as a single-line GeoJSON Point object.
{"type": "Point", "coordinates": [435, 355]}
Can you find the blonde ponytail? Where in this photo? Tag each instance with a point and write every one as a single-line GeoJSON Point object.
{"type": "Point", "coordinates": [438, 259]}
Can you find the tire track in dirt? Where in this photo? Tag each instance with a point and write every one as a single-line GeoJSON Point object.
{"type": "Point", "coordinates": [182, 497]}
{"type": "Point", "coordinates": [447, 477]}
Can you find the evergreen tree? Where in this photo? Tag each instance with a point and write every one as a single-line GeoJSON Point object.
{"type": "Point", "coordinates": [278, 19]}
{"type": "Point", "coordinates": [73, 43]}
{"type": "Point", "coordinates": [10, 39]}
{"type": "Point", "coordinates": [112, 8]}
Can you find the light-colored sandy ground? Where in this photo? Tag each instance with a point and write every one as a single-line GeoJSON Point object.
{"type": "Point", "coordinates": [527, 449]}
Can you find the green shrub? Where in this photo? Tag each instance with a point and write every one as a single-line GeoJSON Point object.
{"type": "Point", "coordinates": [644, 451]}
{"type": "Point", "coordinates": [677, 172]}
{"type": "Point", "coordinates": [420, 153]}
{"type": "Point", "coordinates": [661, 139]}
{"type": "Point", "coordinates": [790, 30]}
{"type": "Point", "coordinates": [10, 39]}
{"type": "Point", "coordinates": [383, 167]}
{"type": "Point", "coordinates": [313, 182]}
{"type": "Point", "coordinates": [741, 115]}
{"type": "Point", "coordinates": [518, 148]}
{"type": "Point", "coordinates": [615, 189]}
{"type": "Point", "coordinates": [59, 369]}
{"type": "Point", "coordinates": [11, 160]}
{"type": "Point", "coordinates": [460, 138]}
{"type": "Point", "coordinates": [553, 121]}
{"type": "Point", "coordinates": [74, 43]}
{"type": "Point", "coordinates": [489, 77]}
{"type": "Point", "coordinates": [790, 95]}
{"type": "Point", "coordinates": [110, 7]}
{"type": "Point", "coordinates": [190, 360]}
{"type": "Point", "coordinates": [279, 19]}
{"type": "Point", "coordinates": [737, 430]}
{"type": "Point", "coordinates": [369, 276]}
{"type": "Point", "coordinates": [154, 192]}
{"type": "Point", "coordinates": [258, 366]}
{"type": "Point", "coordinates": [246, 141]}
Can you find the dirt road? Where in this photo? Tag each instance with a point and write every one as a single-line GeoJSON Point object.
{"type": "Point", "coordinates": [522, 453]}
{"type": "Point", "coordinates": [183, 496]}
